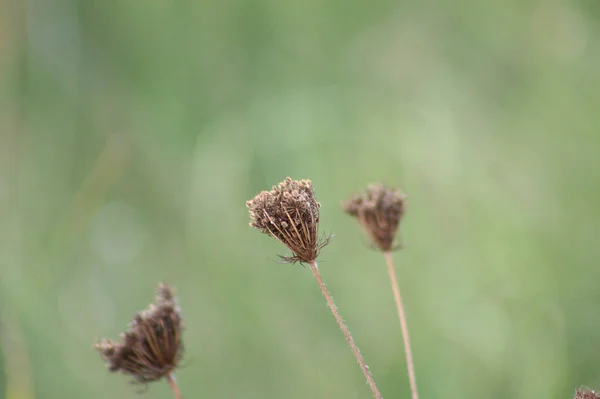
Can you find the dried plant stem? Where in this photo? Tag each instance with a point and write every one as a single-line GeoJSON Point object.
{"type": "Point", "coordinates": [174, 386]}
{"type": "Point", "coordinates": [409, 362]}
{"type": "Point", "coordinates": [344, 328]}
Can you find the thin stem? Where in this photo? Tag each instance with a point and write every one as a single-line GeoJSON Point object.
{"type": "Point", "coordinates": [174, 386]}
{"type": "Point", "coordinates": [409, 361]}
{"type": "Point", "coordinates": [344, 328]}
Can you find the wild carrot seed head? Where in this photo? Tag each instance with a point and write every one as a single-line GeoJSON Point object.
{"type": "Point", "coordinates": [379, 211]}
{"type": "Point", "coordinates": [586, 393]}
{"type": "Point", "coordinates": [152, 347]}
{"type": "Point", "coordinates": [290, 214]}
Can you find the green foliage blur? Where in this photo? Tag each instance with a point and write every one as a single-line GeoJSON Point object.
{"type": "Point", "coordinates": [132, 133]}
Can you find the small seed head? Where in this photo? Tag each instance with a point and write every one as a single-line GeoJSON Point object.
{"type": "Point", "coordinates": [290, 214]}
{"type": "Point", "coordinates": [586, 393]}
{"type": "Point", "coordinates": [379, 211]}
{"type": "Point", "coordinates": [151, 349]}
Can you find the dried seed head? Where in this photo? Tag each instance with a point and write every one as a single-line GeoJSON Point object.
{"type": "Point", "coordinates": [379, 212]}
{"type": "Point", "coordinates": [152, 347]}
{"type": "Point", "coordinates": [586, 393]}
{"type": "Point", "coordinates": [290, 214]}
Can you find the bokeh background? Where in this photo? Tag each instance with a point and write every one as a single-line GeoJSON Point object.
{"type": "Point", "coordinates": [132, 133]}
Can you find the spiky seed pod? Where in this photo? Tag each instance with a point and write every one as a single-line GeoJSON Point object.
{"type": "Point", "coordinates": [290, 214]}
{"type": "Point", "coordinates": [586, 393]}
{"type": "Point", "coordinates": [152, 348]}
{"type": "Point", "coordinates": [379, 212]}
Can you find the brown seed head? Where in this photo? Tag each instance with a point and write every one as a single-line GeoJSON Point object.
{"type": "Point", "coordinates": [586, 393]}
{"type": "Point", "coordinates": [290, 214]}
{"type": "Point", "coordinates": [152, 347]}
{"type": "Point", "coordinates": [379, 212]}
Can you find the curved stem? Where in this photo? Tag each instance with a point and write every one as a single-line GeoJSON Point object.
{"type": "Point", "coordinates": [409, 362]}
{"type": "Point", "coordinates": [174, 386]}
{"type": "Point", "coordinates": [344, 328]}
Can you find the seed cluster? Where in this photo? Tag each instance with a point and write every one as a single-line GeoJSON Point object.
{"type": "Point", "coordinates": [151, 349]}
{"type": "Point", "coordinates": [379, 212]}
{"type": "Point", "coordinates": [585, 393]}
{"type": "Point", "coordinates": [290, 214]}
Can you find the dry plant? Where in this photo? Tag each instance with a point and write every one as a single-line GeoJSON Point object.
{"type": "Point", "coordinates": [586, 393]}
{"type": "Point", "coordinates": [290, 214]}
{"type": "Point", "coordinates": [151, 349]}
{"type": "Point", "coordinates": [379, 212]}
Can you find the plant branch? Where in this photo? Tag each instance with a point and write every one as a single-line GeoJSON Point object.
{"type": "Point", "coordinates": [173, 386]}
{"type": "Point", "coordinates": [409, 362]}
{"type": "Point", "coordinates": [344, 328]}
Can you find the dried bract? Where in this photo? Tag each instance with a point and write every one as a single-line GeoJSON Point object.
{"type": "Point", "coordinates": [379, 212]}
{"type": "Point", "coordinates": [290, 214]}
{"type": "Point", "coordinates": [151, 349]}
{"type": "Point", "coordinates": [586, 393]}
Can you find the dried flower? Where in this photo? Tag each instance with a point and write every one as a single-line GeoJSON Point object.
{"type": "Point", "coordinates": [151, 349]}
{"type": "Point", "coordinates": [379, 212]}
{"type": "Point", "coordinates": [290, 214]}
{"type": "Point", "coordinates": [586, 393]}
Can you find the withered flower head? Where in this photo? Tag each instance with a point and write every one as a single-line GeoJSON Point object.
{"type": "Point", "coordinates": [585, 393]}
{"type": "Point", "coordinates": [379, 212]}
{"type": "Point", "coordinates": [290, 214]}
{"type": "Point", "coordinates": [151, 348]}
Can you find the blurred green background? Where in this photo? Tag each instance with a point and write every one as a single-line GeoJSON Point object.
{"type": "Point", "coordinates": [132, 133]}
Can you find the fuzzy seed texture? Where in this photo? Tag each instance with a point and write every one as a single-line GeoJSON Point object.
{"type": "Point", "coordinates": [379, 212]}
{"type": "Point", "coordinates": [151, 348]}
{"type": "Point", "coordinates": [586, 393]}
{"type": "Point", "coordinates": [290, 214]}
